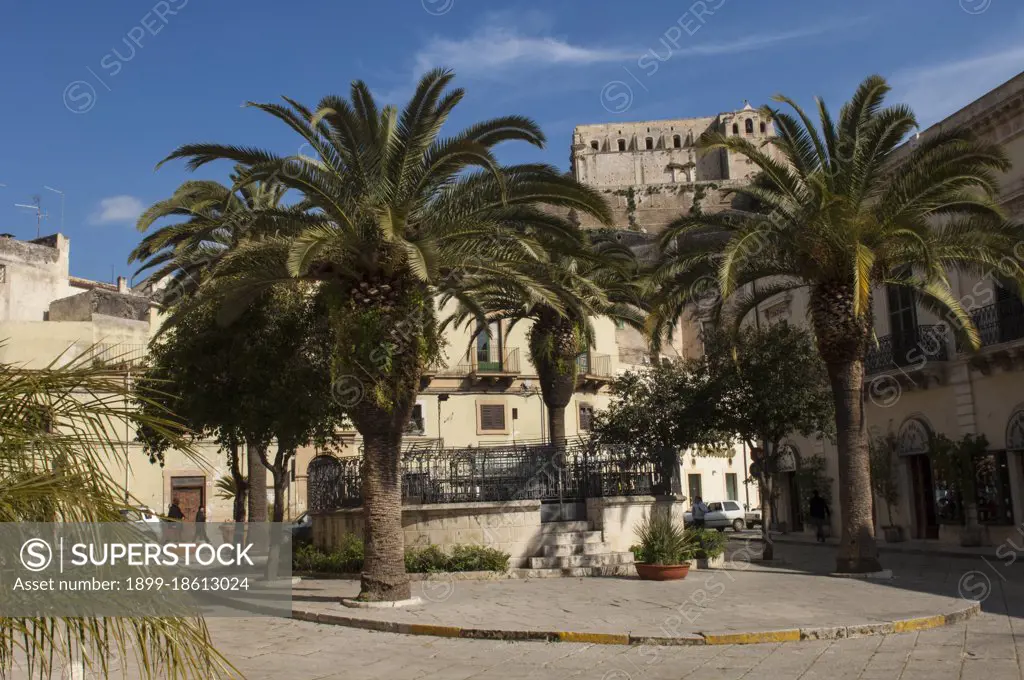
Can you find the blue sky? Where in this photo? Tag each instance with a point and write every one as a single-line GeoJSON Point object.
{"type": "Point", "coordinates": [96, 93]}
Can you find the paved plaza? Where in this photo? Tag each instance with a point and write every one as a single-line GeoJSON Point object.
{"type": "Point", "coordinates": [989, 646]}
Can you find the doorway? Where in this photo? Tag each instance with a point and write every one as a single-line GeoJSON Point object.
{"type": "Point", "coordinates": [191, 495]}
{"type": "Point", "coordinates": [796, 515]}
{"type": "Point", "coordinates": [922, 484]}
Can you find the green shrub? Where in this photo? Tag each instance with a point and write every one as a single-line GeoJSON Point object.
{"type": "Point", "coordinates": [663, 541]}
{"type": "Point", "coordinates": [348, 558]}
{"type": "Point", "coordinates": [709, 542]}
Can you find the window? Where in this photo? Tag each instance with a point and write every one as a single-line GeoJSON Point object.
{"type": "Point", "coordinates": [586, 417]}
{"type": "Point", "coordinates": [620, 324]}
{"type": "Point", "coordinates": [415, 425]}
{"type": "Point", "coordinates": [488, 348]}
{"type": "Point", "coordinates": [3, 273]}
{"type": "Point", "coordinates": [677, 142]}
{"type": "Point", "coordinates": [714, 507]}
{"type": "Point", "coordinates": [492, 417]}
{"type": "Point", "coordinates": [693, 484]}
{"type": "Point", "coordinates": [649, 142]}
{"type": "Point", "coordinates": [749, 126]}
{"type": "Point", "coordinates": [622, 145]}
{"type": "Point", "coordinates": [735, 128]}
{"type": "Point", "coordinates": [902, 323]}
{"type": "Point", "coordinates": [763, 128]}
{"type": "Point", "coordinates": [731, 487]}
{"type": "Point", "coordinates": [595, 146]}
{"type": "Point", "coordinates": [731, 505]}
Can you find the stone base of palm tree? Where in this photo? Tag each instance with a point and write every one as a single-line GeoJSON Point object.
{"type": "Point", "coordinates": [385, 604]}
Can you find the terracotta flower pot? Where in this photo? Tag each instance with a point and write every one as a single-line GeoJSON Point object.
{"type": "Point", "coordinates": [662, 572]}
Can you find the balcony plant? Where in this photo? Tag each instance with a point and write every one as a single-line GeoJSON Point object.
{"type": "Point", "coordinates": [882, 450]}
{"type": "Point", "coordinates": [710, 547]}
{"type": "Point", "coordinates": [665, 549]}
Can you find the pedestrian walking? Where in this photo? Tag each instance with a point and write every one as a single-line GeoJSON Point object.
{"type": "Point", "coordinates": [699, 510]}
{"type": "Point", "coordinates": [820, 513]}
{"type": "Point", "coordinates": [201, 525]}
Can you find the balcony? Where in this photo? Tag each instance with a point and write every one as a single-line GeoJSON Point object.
{"type": "Point", "coordinates": [594, 369]}
{"type": "Point", "coordinates": [493, 361]}
{"type": "Point", "coordinates": [998, 323]}
{"type": "Point", "coordinates": [909, 350]}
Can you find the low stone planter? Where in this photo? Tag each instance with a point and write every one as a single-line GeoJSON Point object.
{"type": "Point", "coordinates": [893, 534]}
{"type": "Point", "coordinates": [711, 563]}
{"type": "Point", "coordinates": [662, 572]}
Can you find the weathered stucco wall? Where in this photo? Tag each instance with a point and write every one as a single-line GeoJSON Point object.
{"type": "Point", "coordinates": [619, 517]}
{"type": "Point", "coordinates": [512, 526]}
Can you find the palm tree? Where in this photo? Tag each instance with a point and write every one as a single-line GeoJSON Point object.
{"type": "Point", "coordinates": [58, 455]}
{"type": "Point", "coordinates": [392, 215]}
{"type": "Point", "coordinates": [179, 255]}
{"type": "Point", "coordinates": [218, 217]}
{"type": "Point", "coordinates": [841, 211]}
{"type": "Point", "coordinates": [598, 280]}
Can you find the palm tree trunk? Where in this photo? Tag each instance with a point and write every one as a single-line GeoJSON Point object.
{"type": "Point", "coordinates": [257, 472]}
{"type": "Point", "coordinates": [556, 423]}
{"type": "Point", "coordinates": [383, 576]}
{"type": "Point", "coordinates": [858, 552]}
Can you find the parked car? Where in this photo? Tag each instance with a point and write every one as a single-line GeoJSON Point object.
{"type": "Point", "coordinates": [753, 517]}
{"type": "Point", "coordinates": [147, 520]}
{"type": "Point", "coordinates": [721, 515]}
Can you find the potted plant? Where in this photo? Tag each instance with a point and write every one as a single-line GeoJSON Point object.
{"type": "Point", "coordinates": [883, 479]}
{"type": "Point", "coordinates": [709, 547]}
{"type": "Point", "coordinates": [665, 549]}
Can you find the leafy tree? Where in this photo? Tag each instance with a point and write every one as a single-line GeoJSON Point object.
{"type": "Point", "coordinates": [767, 384]}
{"type": "Point", "coordinates": [591, 281]}
{"type": "Point", "coordinates": [263, 379]}
{"type": "Point", "coordinates": [841, 209]}
{"type": "Point", "coordinates": [883, 451]}
{"type": "Point", "coordinates": [58, 461]}
{"type": "Point", "coordinates": [390, 216]}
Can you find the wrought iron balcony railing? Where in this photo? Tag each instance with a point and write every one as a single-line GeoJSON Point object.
{"type": "Point", "coordinates": [912, 349]}
{"type": "Point", "coordinates": [997, 323]}
{"type": "Point", "coordinates": [492, 360]}
{"type": "Point", "coordinates": [590, 365]}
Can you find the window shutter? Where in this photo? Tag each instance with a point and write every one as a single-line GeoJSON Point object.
{"type": "Point", "coordinates": [586, 417]}
{"type": "Point", "coordinates": [492, 416]}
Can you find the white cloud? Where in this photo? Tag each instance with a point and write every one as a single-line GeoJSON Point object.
{"type": "Point", "coordinates": [496, 48]}
{"type": "Point", "coordinates": [117, 209]}
{"type": "Point", "coordinates": [937, 91]}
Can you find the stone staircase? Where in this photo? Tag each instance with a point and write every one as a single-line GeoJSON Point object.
{"type": "Point", "coordinates": [574, 549]}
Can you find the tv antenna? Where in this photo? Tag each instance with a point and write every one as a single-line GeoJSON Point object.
{"type": "Point", "coordinates": [58, 191]}
{"type": "Point", "coordinates": [37, 205]}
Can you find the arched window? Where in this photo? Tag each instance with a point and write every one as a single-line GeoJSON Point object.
{"type": "Point", "coordinates": [750, 126]}
{"type": "Point", "coordinates": [735, 128]}
{"type": "Point", "coordinates": [689, 139]}
{"type": "Point", "coordinates": [595, 146]}
{"type": "Point", "coordinates": [763, 128]}
{"type": "Point", "coordinates": [914, 437]}
{"type": "Point", "coordinates": [622, 145]}
{"type": "Point", "coordinates": [649, 142]}
{"type": "Point", "coordinates": [1015, 432]}
{"type": "Point", "coordinates": [676, 142]}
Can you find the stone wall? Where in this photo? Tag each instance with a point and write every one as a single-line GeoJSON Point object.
{"type": "Point", "coordinates": [512, 526]}
{"type": "Point", "coordinates": [618, 516]}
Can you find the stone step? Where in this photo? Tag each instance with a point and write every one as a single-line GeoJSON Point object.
{"type": "Point", "coordinates": [602, 560]}
{"type": "Point", "coordinates": [563, 527]}
{"type": "Point", "coordinates": [576, 549]}
{"type": "Point", "coordinates": [571, 538]}
{"type": "Point", "coordinates": [575, 572]}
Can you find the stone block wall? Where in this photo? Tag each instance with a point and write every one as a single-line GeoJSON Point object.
{"type": "Point", "coordinates": [513, 526]}
{"type": "Point", "coordinates": [618, 516]}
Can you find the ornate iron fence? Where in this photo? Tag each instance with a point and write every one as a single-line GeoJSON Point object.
{"type": "Point", "coordinates": [546, 472]}
{"type": "Point", "coordinates": [913, 348]}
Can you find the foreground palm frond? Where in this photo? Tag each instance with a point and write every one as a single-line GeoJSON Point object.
{"type": "Point", "coordinates": [62, 432]}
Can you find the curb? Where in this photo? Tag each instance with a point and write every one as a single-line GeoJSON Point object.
{"type": "Point", "coordinates": [700, 638]}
